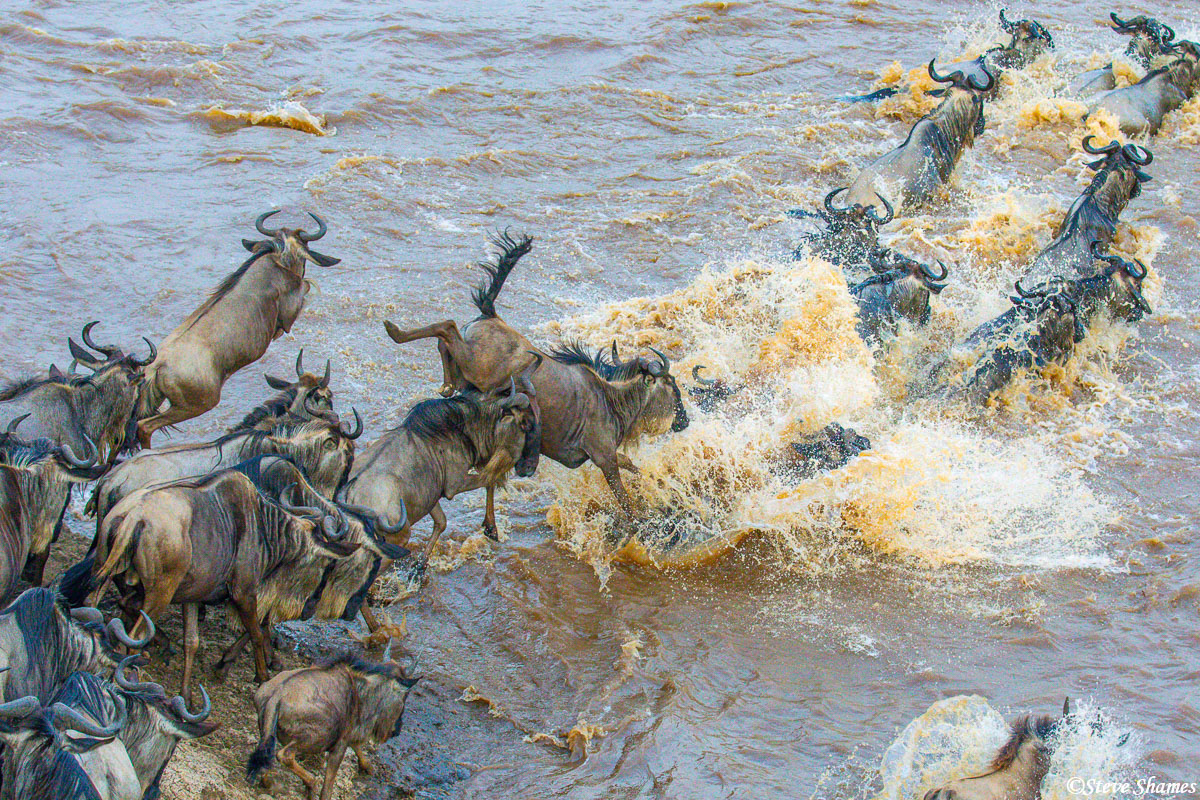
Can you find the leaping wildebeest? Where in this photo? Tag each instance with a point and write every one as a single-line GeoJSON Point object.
{"type": "Point", "coordinates": [589, 407]}
{"type": "Point", "coordinates": [1091, 221]}
{"type": "Point", "coordinates": [910, 174]}
{"type": "Point", "coordinates": [445, 447]}
{"type": "Point", "coordinates": [212, 540]}
{"type": "Point", "coordinates": [252, 307]}
{"type": "Point", "coordinates": [35, 481]}
{"type": "Point", "coordinates": [323, 710]}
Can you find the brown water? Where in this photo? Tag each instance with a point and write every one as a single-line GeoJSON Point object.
{"type": "Point", "coordinates": [1039, 550]}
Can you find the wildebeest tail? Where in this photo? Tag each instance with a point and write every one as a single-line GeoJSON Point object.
{"type": "Point", "coordinates": [76, 582]}
{"type": "Point", "coordinates": [264, 755]}
{"type": "Point", "coordinates": [123, 537]}
{"type": "Point", "coordinates": [150, 398]}
{"type": "Point", "coordinates": [510, 253]}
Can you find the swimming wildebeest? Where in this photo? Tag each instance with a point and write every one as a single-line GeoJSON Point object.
{"type": "Point", "coordinates": [1140, 108]}
{"type": "Point", "coordinates": [319, 589]}
{"type": "Point", "coordinates": [900, 293]}
{"type": "Point", "coordinates": [1091, 220]}
{"type": "Point", "coordinates": [325, 450]}
{"type": "Point", "coordinates": [829, 448]}
{"type": "Point", "coordinates": [589, 407]}
{"type": "Point", "coordinates": [44, 761]}
{"type": "Point", "coordinates": [910, 174]}
{"type": "Point", "coordinates": [252, 307]}
{"type": "Point", "coordinates": [445, 447]}
{"type": "Point", "coordinates": [1041, 328]}
{"type": "Point", "coordinates": [711, 392]}
{"type": "Point", "coordinates": [212, 540]}
{"type": "Point", "coordinates": [851, 234]}
{"type": "Point", "coordinates": [35, 481]}
{"type": "Point", "coordinates": [1149, 39]}
{"type": "Point", "coordinates": [347, 703]}
{"type": "Point", "coordinates": [1029, 40]}
{"type": "Point", "coordinates": [307, 397]}
{"type": "Point", "coordinates": [1115, 290]}
{"type": "Point", "coordinates": [69, 409]}
{"type": "Point", "coordinates": [41, 644]}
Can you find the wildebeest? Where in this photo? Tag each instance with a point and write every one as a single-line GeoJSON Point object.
{"type": "Point", "coordinates": [589, 407]}
{"type": "Point", "coordinates": [829, 448]}
{"type": "Point", "coordinates": [1115, 290]}
{"type": "Point", "coordinates": [312, 589]}
{"type": "Point", "coordinates": [41, 644]}
{"type": "Point", "coordinates": [1092, 219]}
{"type": "Point", "coordinates": [212, 540]}
{"type": "Point", "coordinates": [909, 174]}
{"type": "Point", "coordinates": [1041, 328]}
{"type": "Point", "coordinates": [1140, 108]}
{"type": "Point", "coordinates": [1149, 39]}
{"type": "Point", "coordinates": [307, 397]}
{"type": "Point", "coordinates": [69, 409]}
{"type": "Point", "coordinates": [900, 293]}
{"type": "Point", "coordinates": [44, 761]}
{"type": "Point", "coordinates": [851, 233]}
{"type": "Point", "coordinates": [155, 726]}
{"type": "Point", "coordinates": [444, 447]}
{"type": "Point", "coordinates": [711, 392]}
{"type": "Point", "coordinates": [252, 307]}
{"type": "Point", "coordinates": [325, 450]}
{"type": "Point", "coordinates": [347, 703]}
{"type": "Point", "coordinates": [488, 351]}
{"type": "Point", "coordinates": [35, 481]}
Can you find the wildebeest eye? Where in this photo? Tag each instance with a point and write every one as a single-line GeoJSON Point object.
{"type": "Point", "coordinates": [648, 378]}
{"type": "Point", "coordinates": [330, 444]}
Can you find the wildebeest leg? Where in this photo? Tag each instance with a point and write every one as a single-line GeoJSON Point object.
{"type": "Point", "coordinates": [288, 759]}
{"type": "Point", "coordinates": [439, 524]}
{"type": "Point", "coordinates": [624, 463]}
{"type": "Point", "coordinates": [449, 340]}
{"type": "Point", "coordinates": [610, 469]}
{"type": "Point", "coordinates": [364, 763]}
{"type": "Point", "coordinates": [247, 610]}
{"type": "Point", "coordinates": [333, 762]}
{"type": "Point", "coordinates": [191, 644]}
{"type": "Point", "coordinates": [227, 658]}
{"type": "Point", "coordinates": [489, 516]}
{"type": "Point", "coordinates": [35, 566]}
{"type": "Point", "coordinates": [172, 416]}
{"type": "Point", "coordinates": [452, 376]}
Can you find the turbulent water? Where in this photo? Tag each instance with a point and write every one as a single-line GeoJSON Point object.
{"type": "Point", "coordinates": [860, 634]}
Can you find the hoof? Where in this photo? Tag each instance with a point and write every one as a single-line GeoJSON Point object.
{"type": "Point", "coordinates": [446, 391]}
{"type": "Point", "coordinates": [490, 532]}
{"type": "Point", "coordinates": [221, 671]}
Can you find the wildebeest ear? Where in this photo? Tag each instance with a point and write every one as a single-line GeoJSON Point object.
{"type": "Point", "coordinates": [277, 383]}
{"type": "Point", "coordinates": [408, 683]}
{"type": "Point", "coordinates": [250, 244]}
{"type": "Point", "coordinates": [323, 260]}
{"type": "Point", "coordinates": [55, 372]}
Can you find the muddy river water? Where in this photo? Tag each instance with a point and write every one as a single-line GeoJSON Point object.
{"type": "Point", "coordinates": [1040, 549]}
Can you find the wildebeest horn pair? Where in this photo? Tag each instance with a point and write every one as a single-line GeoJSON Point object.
{"type": "Point", "coordinates": [66, 718]}
{"type": "Point", "coordinates": [280, 383]}
{"type": "Point", "coordinates": [107, 350]}
{"type": "Point", "coordinates": [1135, 268]}
{"type": "Point", "coordinates": [178, 705]}
{"type": "Point", "coordinates": [301, 235]}
{"type": "Point", "coordinates": [957, 77]}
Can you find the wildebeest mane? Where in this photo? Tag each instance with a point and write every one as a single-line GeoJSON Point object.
{"type": "Point", "coordinates": [25, 385]}
{"type": "Point", "coordinates": [358, 664]}
{"type": "Point", "coordinates": [21, 453]}
{"type": "Point", "coordinates": [444, 418]}
{"type": "Point", "coordinates": [273, 407]}
{"type": "Point", "coordinates": [576, 353]}
{"type": "Point", "coordinates": [1023, 729]}
{"type": "Point", "coordinates": [225, 286]}
{"type": "Point", "coordinates": [511, 250]}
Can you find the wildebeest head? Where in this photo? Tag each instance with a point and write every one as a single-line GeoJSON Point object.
{"type": "Point", "coordinates": [1029, 39]}
{"type": "Point", "coordinates": [900, 290]}
{"type": "Point", "coordinates": [519, 426]}
{"type": "Point", "coordinates": [1150, 37]}
{"type": "Point", "coordinates": [171, 718]}
{"type": "Point", "coordinates": [1119, 171]}
{"type": "Point", "coordinates": [663, 408]}
{"type": "Point", "coordinates": [325, 449]}
{"type": "Point", "coordinates": [964, 88]}
{"type": "Point", "coordinates": [44, 456]}
{"type": "Point", "coordinates": [1117, 287]}
{"type": "Point", "coordinates": [308, 396]}
{"type": "Point", "coordinates": [289, 244]}
{"type": "Point", "coordinates": [387, 686]}
{"type": "Point", "coordinates": [326, 527]}
{"type": "Point", "coordinates": [1060, 324]}
{"type": "Point", "coordinates": [118, 379]}
{"type": "Point", "coordinates": [853, 230]}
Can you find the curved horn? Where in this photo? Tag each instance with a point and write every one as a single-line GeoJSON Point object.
{"type": "Point", "coordinates": [1111, 147]}
{"type": "Point", "coordinates": [298, 510]}
{"type": "Point", "coordinates": [67, 718]}
{"type": "Point", "coordinates": [1168, 33]}
{"type": "Point", "coordinates": [20, 708]}
{"type": "Point", "coordinates": [1027, 293]}
{"type": "Point", "coordinates": [181, 710]}
{"type": "Point", "coordinates": [14, 422]}
{"type": "Point", "coordinates": [340, 530]}
{"type": "Point", "coordinates": [324, 382]}
{"type": "Point", "coordinates": [258, 223]}
{"type": "Point", "coordinates": [929, 273]}
{"type": "Point", "coordinates": [702, 381]}
{"type": "Point", "coordinates": [1007, 25]}
{"type": "Point", "coordinates": [300, 363]}
{"type": "Point", "coordinates": [1137, 154]}
{"type": "Point", "coordinates": [134, 686]}
{"type": "Point", "coordinates": [148, 360]}
{"type": "Point", "coordinates": [107, 349]}
{"type": "Point", "coordinates": [666, 362]}
{"type": "Point", "coordinates": [830, 207]}
{"type": "Point", "coordinates": [951, 78]}
{"type": "Point", "coordinates": [312, 237]}
{"type": "Point", "coordinates": [526, 375]}
{"type": "Point", "coordinates": [376, 518]}
{"type": "Point", "coordinates": [358, 426]}
{"type": "Point", "coordinates": [87, 615]}
{"type": "Point", "coordinates": [891, 212]}
{"type": "Point", "coordinates": [88, 461]}
{"type": "Point", "coordinates": [991, 80]}
{"type": "Point", "coordinates": [310, 409]}
{"type": "Point", "coordinates": [116, 630]}
{"type": "Point", "coordinates": [1140, 272]}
